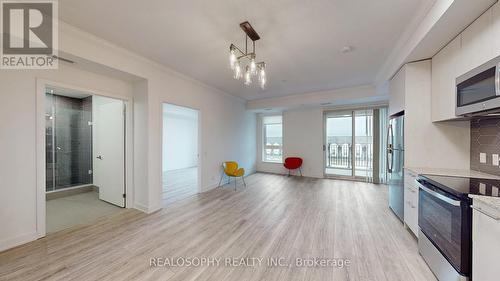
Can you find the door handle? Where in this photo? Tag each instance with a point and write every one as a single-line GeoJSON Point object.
{"type": "Point", "coordinates": [389, 149]}
{"type": "Point", "coordinates": [99, 157]}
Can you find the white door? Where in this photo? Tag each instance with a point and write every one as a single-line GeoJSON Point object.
{"type": "Point", "coordinates": [108, 136]}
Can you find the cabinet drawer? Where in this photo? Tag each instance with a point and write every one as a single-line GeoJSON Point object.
{"type": "Point", "coordinates": [411, 208]}
{"type": "Point", "coordinates": [485, 247]}
{"type": "Point", "coordinates": [410, 178]}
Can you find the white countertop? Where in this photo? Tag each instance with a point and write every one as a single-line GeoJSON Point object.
{"type": "Point", "coordinates": [492, 203]}
{"type": "Point", "coordinates": [452, 172]}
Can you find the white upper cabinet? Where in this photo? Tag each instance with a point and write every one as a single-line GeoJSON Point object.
{"type": "Point", "coordinates": [444, 73]}
{"type": "Point", "coordinates": [495, 29]}
{"type": "Point", "coordinates": [397, 92]}
{"type": "Point", "coordinates": [477, 43]}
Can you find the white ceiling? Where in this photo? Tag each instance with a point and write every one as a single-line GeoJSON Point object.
{"type": "Point", "coordinates": [301, 40]}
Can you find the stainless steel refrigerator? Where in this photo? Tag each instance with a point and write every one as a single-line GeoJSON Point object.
{"type": "Point", "coordinates": [395, 162]}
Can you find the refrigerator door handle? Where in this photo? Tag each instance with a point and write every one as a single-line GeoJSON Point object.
{"type": "Point", "coordinates": [390, 154]}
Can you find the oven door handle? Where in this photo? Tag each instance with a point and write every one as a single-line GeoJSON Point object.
{"type": "Point", "coordinates": [440, 196]}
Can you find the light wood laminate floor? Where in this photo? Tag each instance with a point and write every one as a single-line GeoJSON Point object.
{"type": "Point", "coordinates": [179, 184]}
{"type": "Point", "coordinates": [275, 216]}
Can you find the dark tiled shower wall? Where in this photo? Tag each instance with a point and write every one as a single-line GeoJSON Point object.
{"type": "Point", "coordinates": [484, 138]}
{"type": "Point", "coordinates": [73, 141]}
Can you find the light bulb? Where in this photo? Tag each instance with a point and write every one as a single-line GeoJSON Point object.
{"type": "Point", "coordinates": [253, 66]}
{"type": "Point", "coordinates": [237, 70]}
{"type": "Point", "coordinates": [262, 76]}
{"type": "Point", "coordinates": [248, 76]}
{"type": "Point", "coordinates": [232, 58]}
{"type": "Point", "coordinates": [263, 83]}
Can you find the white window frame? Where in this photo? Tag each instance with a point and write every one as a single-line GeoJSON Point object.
{"type": "Point", "coordinates": [272, 147]}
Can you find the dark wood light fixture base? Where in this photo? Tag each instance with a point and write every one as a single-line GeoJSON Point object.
{"type": "Point", "coordinates": [248, 29]}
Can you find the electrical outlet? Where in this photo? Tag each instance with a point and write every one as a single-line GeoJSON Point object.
{"type": "Point", "coordinates": [482, 188]}
{"type": "Point", "coordinates": [482, 157]}
{"type": "Point", "coordinates": [494, 191]}
{"type": "Point", "coordinates": [494, 159]}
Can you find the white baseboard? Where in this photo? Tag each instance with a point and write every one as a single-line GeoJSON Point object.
{"type": "Point", "coordinates": [209, 187]}
{"type": "Point", "coordinates": [17, 241]}
{"type": "Point", "coordinates": [293, 174]}
{"type": "Point", "coordinates": [272, 172]}
{"type": "Point", "coordinates": [146, 209]}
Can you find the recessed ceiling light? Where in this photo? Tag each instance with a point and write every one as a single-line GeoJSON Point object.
{"type": "Point", "coordinates": [347, 49]}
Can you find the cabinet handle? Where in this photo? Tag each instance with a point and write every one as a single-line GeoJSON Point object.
{"type": "Point", "coordinates": [479, 209]}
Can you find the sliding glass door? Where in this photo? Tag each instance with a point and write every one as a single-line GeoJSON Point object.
{"type": "Point", "coordinates": [339, 140]}
{"type": "Point", "coordinates": [363, 148]}
{"type": "Point", "coordinates": [349, 144]}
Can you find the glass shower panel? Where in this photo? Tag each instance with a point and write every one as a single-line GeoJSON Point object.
{"type": "Point", "coordinates": [49, 142]}
{"type": "Point", "coordinates": [69, 142]}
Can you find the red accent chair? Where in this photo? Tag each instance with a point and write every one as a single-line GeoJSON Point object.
{"type": "Point", "coordinates": [293, 163]}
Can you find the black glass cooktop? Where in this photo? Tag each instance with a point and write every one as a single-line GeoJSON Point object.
{"type": "Point", "coordinates": [460, 186]}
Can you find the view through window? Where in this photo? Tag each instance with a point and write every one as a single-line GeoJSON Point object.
{"type": "Point", "coordinates": [273, 138]}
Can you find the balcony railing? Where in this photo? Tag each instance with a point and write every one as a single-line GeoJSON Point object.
{"type": "Point", "coordinates": [340, 156]}
{"type": "Point", "coordinates": [273, 153]}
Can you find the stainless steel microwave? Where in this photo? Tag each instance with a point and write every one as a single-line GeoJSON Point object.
{"type": "Point", "coordinates": [478, 91]}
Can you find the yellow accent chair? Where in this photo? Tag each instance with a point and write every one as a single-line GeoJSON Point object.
{"type": "Point", "coordinates": [231, 170]}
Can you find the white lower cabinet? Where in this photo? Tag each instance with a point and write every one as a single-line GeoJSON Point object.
{"type": "Point", "coordinates": [411, 202]}
{"type": "Point", "coordinates": [485, 245]}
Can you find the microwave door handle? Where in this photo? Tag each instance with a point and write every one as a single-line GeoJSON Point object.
{"type": "Point", "coordinates": [439, 196]}
{"type": "Point", "coordinates": [497, 79]}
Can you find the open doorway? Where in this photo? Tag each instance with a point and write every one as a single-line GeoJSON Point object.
{"type": "Point", "coordinates": [84, 157]}
{"type": "Point", "coordinates": [180, 159]}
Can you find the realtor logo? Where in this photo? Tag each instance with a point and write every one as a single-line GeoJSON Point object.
{"type": "Point", "coordinates": [29, 34]}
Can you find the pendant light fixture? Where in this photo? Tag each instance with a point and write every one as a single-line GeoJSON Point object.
{"type": "Point", "coordinates": [253, 68]}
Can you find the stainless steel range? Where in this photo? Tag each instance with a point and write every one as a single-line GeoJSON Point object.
{"type": "Point", "coordinates": [445, 222]}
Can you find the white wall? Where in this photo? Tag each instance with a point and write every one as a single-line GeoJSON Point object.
{"type": "Point", "coordinates": [18, 143]}
{"type": "Point", "coordinates": [427, 144]}
{"type": "Point", "coordinates": [180, 139]}
{"type": "Point", "coordinates": [227, 130]}
{"type": "Point", "coordinates": [302, 137]}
